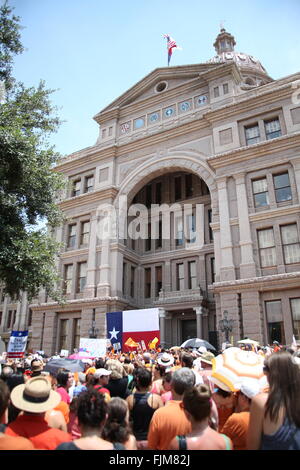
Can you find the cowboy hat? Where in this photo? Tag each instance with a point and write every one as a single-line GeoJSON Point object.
{"type": "Point", "coordinates": [165, 360]}
{"type": "Point", "coordinates": [35, 396]}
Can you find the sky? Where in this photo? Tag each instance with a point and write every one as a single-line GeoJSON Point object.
{"type": "Point", "coordinates": [91, 51]}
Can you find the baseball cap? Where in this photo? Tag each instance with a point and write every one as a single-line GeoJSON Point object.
{"type": "Point", "coordinates": [100, 372]}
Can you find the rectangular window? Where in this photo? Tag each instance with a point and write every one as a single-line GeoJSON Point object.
{"type": "Point", "coordinates": [76, 333]}
{"type": "Point", "coordinates": [272, 128]}
{"type": "Point", "coordinates": [252, 134]}
{"type": "Point", "coordinates": [267, 248]}
{"type": "Point", "coordinates": [88, 184]}
{"type": "Point", "coordinates": [158, 193]}
{"type": "Point", "coordinates": [9, 317]}
{"type": "Point", "coordinates": [76, 188]}
{"type": "Point", "coordinates": [211, 235]}
{"type": "Point", "coordinates": [180, 276]}
{"type": "Point", "coordinates": [81, 276]}
{"type": "Point", "coordinates": [225, 88]}
{"type": "Point", "coordinates": [147, 283]}
{"type": "Point", "coordinates": [148, 195]}
{"type": "Point", "coordinates": [179, 232]}
{"type": "Point", "coordinates": [295, 308]}
{"type": "Point", "coordinates": [275, 321]}
{"type": "Point", "coordinates": [29, 321]}
{"type": "Point", "coordinates": [1, 313]}
{"type": "Point", "coordinates": [216, 92]}
{"type": "Point", "coordinates": [63, 334]}
{"type": "Point", "coordinates": [72, 236]}
{"type": "Point", "coordinates": [177, 185]}
{"type": "Point", "coordinates": [189, 189]}
{"type": "Point", "coordinates": [260, 192]}
{"type": "Point", "coordinates": [191, 221]}
{"type": "Point", "coordinates": [282, 187]}
{"type": "Point", "coordinates": [148, 240]}
{"type": "Point", "coordinates": [124, 279]}
{"type": "Point", "coordinates": [68, 277]}
{"type": "Point", "coordinates": [213, 269]}
{"type": "Point", "coordinates": [158, 280]}
{"type": "Point", "coordinates": [158, 241]}
{"type": "Point", "coordinates": [132, 277]}
{"type": "Point", "coordinates": [290, 243]}
{"type": "Point", "coordinates": [192, 275]}
{"type": "Point", "coordinates": [85, 233]}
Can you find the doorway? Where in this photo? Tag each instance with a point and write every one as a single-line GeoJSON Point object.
{"type": "Point", "coordinates": [188, 329]}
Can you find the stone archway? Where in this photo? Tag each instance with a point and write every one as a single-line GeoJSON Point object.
{"type": "Point", "coordinates": [176, 161]}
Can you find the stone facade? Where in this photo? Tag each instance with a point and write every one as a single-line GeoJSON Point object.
{"type": "Point", "coordinates": [222, 135]}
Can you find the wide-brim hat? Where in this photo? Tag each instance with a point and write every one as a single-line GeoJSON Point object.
{"type": "Point", "coordinates": [35, 396]}
{"type": "Point", "coordinates": [165, 360]}
{"type": "Point", "coordinates": [207, 357]}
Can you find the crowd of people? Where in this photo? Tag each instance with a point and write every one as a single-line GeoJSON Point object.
{"type": "Point", "coordinates": [156, 400]}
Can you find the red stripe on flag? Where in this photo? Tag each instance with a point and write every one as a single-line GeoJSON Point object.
{"type": "Point", "coordinates": [138, 336]}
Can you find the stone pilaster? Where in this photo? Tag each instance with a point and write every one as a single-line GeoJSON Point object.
{"type": "Point", "coordinates": [247, 266]}
{"type": "Point", "coordinates": [90, 288]}
{"type": "Point", "coordinates": [227, 270]}
{"type": "Point", "coordinates": [162, 325]}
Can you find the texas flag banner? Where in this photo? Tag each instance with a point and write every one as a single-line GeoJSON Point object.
{"type": "Point", "coordinates": [17, 344]}
{"type": "Point", "coordinates": [132, 326]}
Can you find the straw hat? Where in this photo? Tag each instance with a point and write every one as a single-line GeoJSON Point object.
{"type": "Point", "coordinates": [165, 360]}
{"type": "Point", "coordinates": [207, 357]}
{"type": "Point", "coordinates": [36, 396]}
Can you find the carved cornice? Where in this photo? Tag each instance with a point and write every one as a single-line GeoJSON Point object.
{"type": "Point", "coordinates": [88, 198]}
{"type": "Point", "coordinates": [263, 283]}
{"type": "Point", "coordinates": [255, 151]}
{"type": "Point", "coordinates": [91, 302]}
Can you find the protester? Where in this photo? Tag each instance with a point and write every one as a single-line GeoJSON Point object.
{"type": "Point", "coordinates": [171, 420]}
{"type": "Point", "coordinates": [64, 382]}
{"type": "Point", "coordinates": [225, 401]}
{"type": "Point", "coordinates": [116, 428]}
{"type": "Point", "coordinates": [34, 398]}
{"type": "Point", "coordinates": [275, 417]}
{"type": "Point", "coordinates": [197, 407]}
{"type": "Point", "coordinates": [167, 395]}
{"type": "Point", "coordinates": [80, 385]}
{"type": "Point", "coordinates": [164, 363]}
{"type": "Point", "coordinates": [236, 426]}
{"type": "Point", "coordinates": [101, 379]}
{"type": "Point", "coordinates": [9, 442]}
{"type": "Point", "coordinates": [142, 405]}
{"type": "Point", "coordinates": [91, 413]}
{"type": "Point", "coordinates": [118, 381]}
{"type": "Point", "coordinates": [36, 367]}
{"type": "Point", "coordinates": [187, 360]}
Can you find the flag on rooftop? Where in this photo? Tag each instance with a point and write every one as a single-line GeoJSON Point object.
{"type": "Point", "coordinates": [171, 44]}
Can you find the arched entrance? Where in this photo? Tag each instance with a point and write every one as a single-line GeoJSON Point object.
{"type": "Point", "coordinates": [171, 267]}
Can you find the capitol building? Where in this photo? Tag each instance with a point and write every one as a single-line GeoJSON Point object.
{"type": "Point", "coordinates": [219, 138]}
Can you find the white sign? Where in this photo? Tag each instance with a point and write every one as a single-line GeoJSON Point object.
{"type": "Point", "coordinates": [93, 347]}
{"type": "Point", "coordinates": [17, 344]}
{"type": "Point", "coordinates": [64, 352]}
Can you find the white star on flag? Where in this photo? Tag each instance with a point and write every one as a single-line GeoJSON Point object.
{"type": "Point", "coordinates": [114, 333]}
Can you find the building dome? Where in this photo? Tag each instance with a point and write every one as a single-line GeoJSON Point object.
{"type": "Point", "coordinates": [251, 68]}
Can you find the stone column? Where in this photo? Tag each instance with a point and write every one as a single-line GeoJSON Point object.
{"type": "Point", "coordinates": [227, 271]}
{"type": "Point", "coordinates": [4, 313]}
{"type": "Point", "coordinates": [247, 267]}
{"type": "Point", "coordinates": [23, 310]}
{"type": "Point", "coordinates": [90, 288]}
{"type": "Point", "coordinates": [162, 325]}
{"type": "Point", "coordinates": [199, 313]}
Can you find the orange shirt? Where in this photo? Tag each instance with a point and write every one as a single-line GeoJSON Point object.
{"type": "Point", "coordinates": [236, 427]}
{"type": "Point", "coordinates": [224, 413]}
{"type": "Point", "coordinates": [15, 443]}
{"type": "Point", "coordinates": [65, 409]}
{"type": "Point", "coordinates": [166, 423]}
{"type": "Point", "coordinates": [36, 429]}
